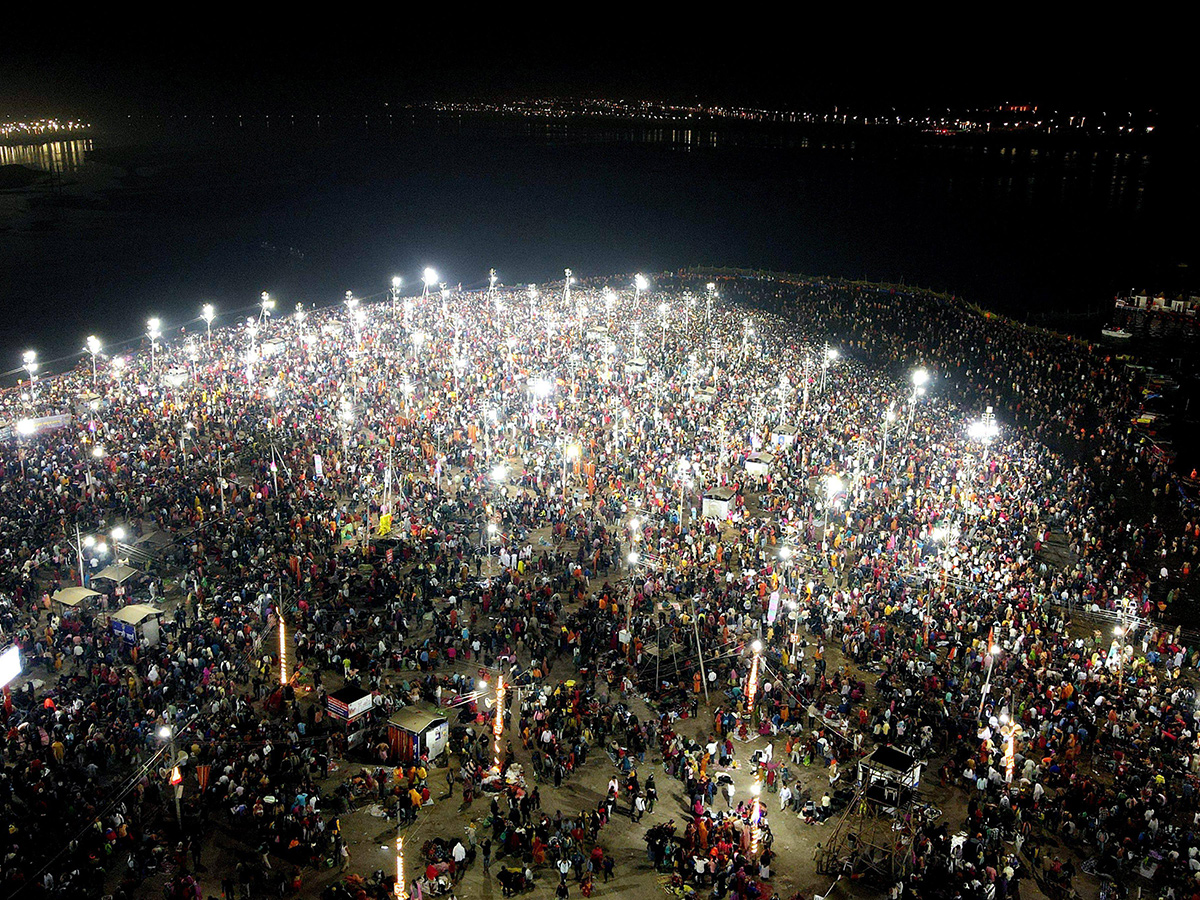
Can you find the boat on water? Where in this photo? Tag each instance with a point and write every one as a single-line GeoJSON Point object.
{"type": "Point", "coordinates": [1116, 333]}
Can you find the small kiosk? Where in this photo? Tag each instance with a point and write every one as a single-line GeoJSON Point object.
{"type": "Point", "coordinates": [118, 574]}
{"type": "Point", "coordinates": [783, 437]}
{"type": "Point", "coordinates": [706, 395]}
{"type": "Point", "coordinates": [717, 503]}
{"type": "Point", "coordinates": [889, 767]}
{"type": "Point", "coordinates": [73, 597]}
{"type": "Point", "coordinates": [758, 465]}
{"type": "Point", "coordinates": [350, 707]}
{"type": "Point", "coordinates": [136, 621]}
{"type": "Point", "coordinates": [417, 731]}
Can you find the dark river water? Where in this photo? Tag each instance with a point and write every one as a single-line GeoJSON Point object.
{"type": "Point", "coordinates": [158, 218]}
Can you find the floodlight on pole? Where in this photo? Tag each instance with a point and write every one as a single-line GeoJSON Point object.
{"type": "Point", "coordinates": [93, 346]}
{"type": "Point", "coordinates": [640, 284]}
{"type": "Point", "coordinates": [154, 332]}
{"type": "Point", "coordinates": [208, 313]}
{"type": "Point", "coordinates": [400, 889]}
{"type": "Point", "coordinates": [428, 278]}
{"type": "Point", "coordinates": [283, 679]}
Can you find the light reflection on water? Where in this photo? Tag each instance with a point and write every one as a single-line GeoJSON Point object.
{"type": "Point", "coordinates": [52, 156]}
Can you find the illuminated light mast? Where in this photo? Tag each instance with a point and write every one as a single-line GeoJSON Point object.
{"type": "Point", "coordinates": [498, 727]}
{"type": "Point", "coordinates": [399, 890]}
{"type": "Point", "coordinates": [283, 679]}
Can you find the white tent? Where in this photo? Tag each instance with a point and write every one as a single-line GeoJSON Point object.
{"type": "Point", "coordinates": [116, 573]}
{"type": "Point", "coordinates": [758, 465]}
{"type": "Point", "coordinates": [717, 503]}
{"type": "Point", "coordinates": [783, 436]}
{"type": "Point", "coordinates": [135, 617]}
{"type": "Point", "coordinates": [73, 596]}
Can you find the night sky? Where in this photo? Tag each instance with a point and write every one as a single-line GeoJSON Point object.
{"type": "Point", "coordinates": [225, 64]}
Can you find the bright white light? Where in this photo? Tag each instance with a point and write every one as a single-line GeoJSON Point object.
{"type": "Point", "coordinates": [633, 557]}
{"type": "Point", "coordinates": [500, 473]}
{"type": "Point", "coordinates": [493, 527]}
{"type": "Point", "coordinates": [429, 276]}
{"type": "Point", "coordinates": [207, 313]}
{"type": "Point", "coordinates": [25, 427]}
{"type": "Point", "coordinates": [834, 486]}
{"type": "Point", "coordinates": [397, 281]}
{"type": "Point", "coordinates": [118, 533]}
{"type": "Point", "coordinates": [640, 282]}
{"type": "Point", "coordinates": [756, 646]}
{"type": "Point", "coordinates": [93, 344]}
{"type": "Point", "coordinates": [165, 732]}
{"type": "Point", "coordinates": [920, 377]}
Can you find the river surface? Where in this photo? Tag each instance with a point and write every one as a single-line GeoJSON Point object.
{"type": "Point", "coordinates": [158, 218]}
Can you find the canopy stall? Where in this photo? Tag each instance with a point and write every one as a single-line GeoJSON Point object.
{"type": "Point", "coordinates": [758, 465]}
{"type": "Point", "coordinates": [71, 597]}
{"type": "Point", "coordinates": [136, 621]}
{"type": "Point", "coordinates": [117, 574]}
{"type": "Point", "coordinates": [416, 731]}
{"type": "Point", "coordinates": [783, 436]}
{"type": "Point", "coordinates": [717, 503]}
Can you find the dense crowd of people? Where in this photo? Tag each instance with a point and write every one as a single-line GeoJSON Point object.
{"type": "Point", "coordinates": [505, 482]}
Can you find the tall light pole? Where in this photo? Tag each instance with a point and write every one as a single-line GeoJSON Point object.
{"type": "Point", "coordinates": [663, 309]}
{"type": "Point", "coordinates": [640, 284]}
{"type": "Point", "coordinates": [267, 304]}
{"type": "Point", "coordinates": [154, 332]}
{"type": "Point", "coordinates": [831, 354]}
{"type": "Point", "coordinates": [283, 665]}
{"type": "Point", "coordinates": [93, 347]}
{"type": "Point", "coordinates": [833, 487]}
{"type": "Point", "coordinates": [491, 281]}
{"type": "Point", "coordinates": [752, 682]}
{"type": "Point", "coordinates": [400, 889]}
{"type": "Point", "coordinates": [984, 431]}
{"type": "Point", "coordinates": [567, 282]}
{"type": "Point", "coordinates": [888, 418]}
{"type": "Point", "coordinates": [685, 466]}
{"type": "Point", "coordinates": [167, 733]}
{"type": "Point", "coordinates": [30, 364]}
{"type": "Point", "coordinates": [208, 313]}
{"type": "Point", "coordinates": [428, 278]}
{"type": "Point", "coordinates": [397, 281]}
{"type": "Point", "coordinates": [570, 454]}
{"type": "Point", "coordinates": [610, 299]}
{"type": "Point", "coordinates": [993, 652]}
{"type": "Point", "coordinates": [711, 293]}
{"type": "Point", "coordinates": [920, 377]}
{"type": "Point", "coordinates": [301, 315]}
{"type": "Point", "coordinates": [532, 292]}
